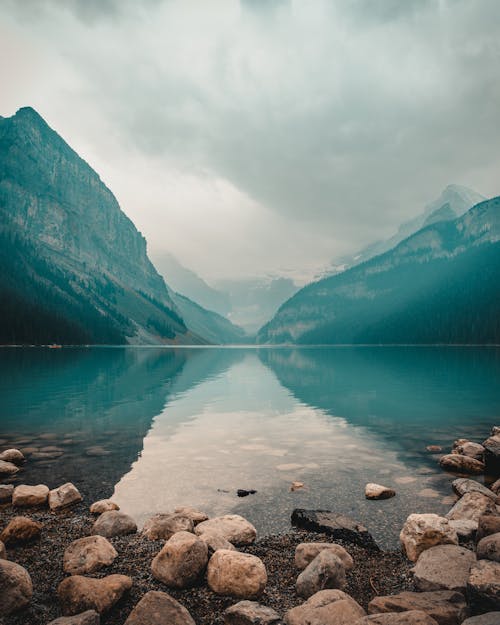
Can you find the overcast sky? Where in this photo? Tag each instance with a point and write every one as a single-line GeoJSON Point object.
{"type": "Point", "coordinates": [254, 137]}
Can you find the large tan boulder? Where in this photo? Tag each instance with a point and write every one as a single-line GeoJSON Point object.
{"type": "Point", "coordinates": [423, 531]}
{"type": "Point", "coordinates": [233, 527]}
{"type": "Point", "coordinates": [20, 529]}
{"type": "Point", "coordinates": [8, 468]}
{"type": "Point", "coordinates": [25, 496]}
{"type": "Point", "coordinates": [182, 560]}
{"type": "Point", "coordinates": [461, 464]}
{"type": "Point", "coordinates": [163, 526]}
{"type": "Point", "coordinates": [306, 552]}
{"type": "Point", "coordinates": [412, 617]}
{"type": "Point", "coordinates": [89, 617]}
{"type": "Point", "coordinates": [88, 554]}
{"type": "Point", "coordinates": [103, 505]}
{"type": "Point", "coordinates": [114, 523]}
{"type": "Point", "coordinates": [159, 608]}
{"type": "Point", "coordinates": [377, 491]}
{"type": "Point", "coordinates": [468, 448]}
{"type": "Point", "coordinates": [488, 548]}
{"type": "Point", "coordinates": [471, 506]}
{"type": "Point", "coordinates": [16, 588]}
{"type": "Point", "coordinates": [12, 455]}
{"type": "Point", "coordinates": [77, 593]}
{"type": "Point", "coordinates": [444, 567]}
{"type": "Point", "coordinates": [64, 496]}
{"type": "Point", "coordinates": [251, 613]}
{"type": "Point", "coordinates": [326, 607]}
{"type": "Point", "coordinates": [236, 574]}
{"type": "Point", "coordinates": [325, 571]}
{"type": "Point", "coordinates": [445, 606]}
{"type": "Point", "coordinates": [483, 587]}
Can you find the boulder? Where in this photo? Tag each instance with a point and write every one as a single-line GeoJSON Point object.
{"type": "Point", "coordinates": [492, 455]}
{"type": "Point", "coordinates": [377, 491]}
{"type": "Point", "coordinates": [306, 552]}
{"type": "Point", "coordinates": [490, 618]}
{"type": "Point", "coordinates": [182, 560]}
{"type": "Point", "coordinates": [6, 492]}
{"type": "Point", "coordinates": [445, 567]}
{"type": "Point", "coordinates": [471, 506]}
{"type": "Point", "coordinates": [195, 515]}
{"type": "Point", "coordinates": [88, 554]}
{"type": "Point", "coordinates": [236, 574]}
{"type": "Point", "coordinates": [114, 523]}
{"type": "Point", "coordinates": [337, 526]}
{"type": "Point", "coordinates": [464, 485]}
{"type": "Point", "coordinates": [495, 487]}
{"type": "Point", "coordinates": [233, 527]}
{"type": "Point", "coordinates": [488, 548]}
{"type": "Point", "coordinates": [487, 524]}
{"type": "Point", "coordinates": [12, 455]}
{"type": "Point", "coordinates": [64, 496]}
{"type": "Point", "coordinates": [16, 588]}
{"type": "Point", "coordinates": [251, 613]}
{"type": "Point", "coordinates": [326, 607]}
{"type": "Point", "coordinates": [77, 593]}
{"type": "Point", "coordinates": [159, 608]}
{"type": "Point", "coordinates": [20, 529]}
{"type": "Point", "coordinates": [8, 468]}
{"type": "Point", "coordinates": [465, 529]}
{"type": "Point", "coordinates": [470, 449]}
{"type": "Point", "coordinates": [216, 541]}
{"type": "Point", "coordinates": [412, 617]}
{"type": "Point", "coordinates": [461, 464]}
{"type": "Point", "coordinates": [444, 606]}
{"type": "Point", "coordinates": [423, 531]}
{"type": "Point", "coordinates": [434, 449]}
{"type": "Point", "coordinates": [103, 505]}
{"type": "Point", "coordinates": [25, 496]}
{"type": "Point", "coordinates": [325, 571]}
{"type": "Point", "coordinates": [89, 617]}
{"type": "Point", "coordinates": [3, 551]}
{"type": "Point", "coordinates": [163, 526]}
{"type": "Point", "coordinates": [483, 587]}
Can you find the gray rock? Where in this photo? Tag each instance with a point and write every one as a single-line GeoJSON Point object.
{"type": "Point", "coordinates": [445, 606]}
{"type": "Point", "coordinates": [470, 449]}
{"type": "Point", "coordinates": [464, 485]}
{"type": "Point", "coordinates": [90, 617]}
{"type": "Point", "coordinates": [6, 492]}
{"type": "Point", "coordinates": [445, 567]}
{"type": "Point", "coordinates": [461, 464]}
{"type": "Point", "coordinates": [326, 607]}
{"type": "Point", "coordinates": [159, 608]}
{"type": "Point", "coordinates": [471, 506]}
{"type": "Point", "coordinates": [16, 588]}
{"type": "Point", "coordinates": [88, 554]}
{"type": "Point", "coordinates": [114, 523]}
{"type": "Point", "coordinates": [490, 618]}
{"type": "Point", "coordinates": [251, 613]}
{"type": "Point", "coordinates": [483, 588]}
{"type": "Point", "coordinates": [326, 571]}
{"type": "Point", "coordinates": [163, 526]}
{"type": "Point", "coordinates": [182, 560]}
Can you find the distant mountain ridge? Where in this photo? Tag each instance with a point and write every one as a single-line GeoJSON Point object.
{"type": "Point", "coordinates": [440, 285]}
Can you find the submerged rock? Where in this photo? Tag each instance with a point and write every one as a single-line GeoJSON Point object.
{"type": "Point", "coordinates": [12, 455]}
{"type": "Point", "coordinates": [251, 613]}
{"type": "Point", "coordinates": [423, 531]}
{"type": "Point", "coordinates": [26, 496]}
{"type": "Point", "coordinates": [8, 468]}
{"type": "Point", "coordinates": [159, 608]}
{"type": "Point", "coordinates": [236, 574]}
{"type": "Point", "coordinates": [326, 607]}
{"type": "Point", "coordinates": [20, 529]}
{"type": "Point", "coordinates": [325, 571]}
{"type": "Point", "coordinates": [377, 491]}
{"type": "Point", "coordinates": [182, 560]}
{"type": "Point", "coordinates": [16, 588]}
{"type": "Point", "coordinates": [445, 567]}
{"type": "Point", "coordinates": [78, 593]}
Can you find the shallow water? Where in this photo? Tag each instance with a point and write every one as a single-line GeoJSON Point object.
{"type": "Point", "coordinates": [160, 427]}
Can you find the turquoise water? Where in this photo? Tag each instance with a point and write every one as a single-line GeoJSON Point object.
{"type": "Point", "coordinates": [161, 427]}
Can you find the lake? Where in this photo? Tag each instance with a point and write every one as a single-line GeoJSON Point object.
{"type": "Point", "coordinates": [159, 427]}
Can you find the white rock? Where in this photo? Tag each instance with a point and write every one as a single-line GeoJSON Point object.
{"type": "Point", "coordinates": [423, 531]}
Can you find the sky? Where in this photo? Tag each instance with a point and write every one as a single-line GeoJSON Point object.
{"type": "Point", "coordinates": [264, 137]}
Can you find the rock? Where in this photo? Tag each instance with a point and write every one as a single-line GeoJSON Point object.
{"type": "Point", "coordinates": [25, 496]}
{"type": "Point", "coordinates": [326, 607]}
{"type": "Point", "coordinates": [8, 468]}
{"type": "Point", "coordinates": [195, 515]}
{"type": "Point", "coordinates": [423, 531]}
{"type": "Point", "coordinates": [376, 491]}
{"type": "Point", "coordinates": [434, 449]}
{"type": "Point", "coordinates": [3, 551]}
{"type": "Point", "coordinates": [242, 492]}
{"type": "Point", "coordinates": [6, 492]}
{"type": "Point", "coordinates": [488, 548]}
{"type": "Point", "coordinates": [88, 554]}
{"type": "Point", "coordinates": [325, 571]}
{"type": "Point", "coordinates": [471, 506]}
{"type": "Point", "coordinates": [490, 618]}
{"type": "Point", "coordinates": [236, 574]}
{"type": "Point", "coordinates": [495, 487]}
{"type": "Point", "coordinates": [251, 613]}
{"type": "Point", "coordinates": [163, 526]}
{"type": "Point", "coordinates": [492, 455]}
{"type": "Point", "coordinates": [64, 496]}
{"type": "Point", "coordinates": [114, 523]}
{"type": "Point", "coordinates": [412, 617]}
{"type": "Point", "coordinates": [464, 485]}
{"type": "Point", "coordinates": [445, 567]}
{"type": "Point", "coordinates": [306, 552]}
{"type": "Point", "coordinates": [464, 528]}
{"type": "Point", "coordinates": [159, 608]}
{"type": "Point", "coordinates": [89, 617]}
{"type": "Point", "coordinates": [445, 606]}
{"type": "Point", "coordinates": [487, 524]}
{"type": "Point", "coordinates": [233, 527]}
{"type": "Point", "coordinates": [182, 560]}
{"type": "Point", "coordinates": [336, 525]}
{"type": "Point", "coordinates": [12, 455]}
{"type": "Point", "coordinates": [296, 486]}
{"type": "Point", "coordinates": [470, 449]}
{"type": "Point", "coordinates": [104, 505]}
{"type": "Point", "coordinates": [20, 529]}
{"type": "Point", "coordinates": [16, 588]}
{"type": "Point", "coordinates": [78, 593]}
{"type": "Point", "coordinates": [216, 541]}
{"type": "Point", "coordinates": [483, 587]}
{"type": "Point", "coordinates": [461, 464]}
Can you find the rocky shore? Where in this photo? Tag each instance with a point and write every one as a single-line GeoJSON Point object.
{"type": "Point", "coordinates": [63, 561]}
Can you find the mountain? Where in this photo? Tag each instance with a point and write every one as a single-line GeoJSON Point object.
{"type": "Point", "coordinates": [453, 202]}
{"type": "Point", "coordinates": [439, 285]}
{"type": "Point", "coordinates": [183, 280]}
{"type": "Point", "coordinates": [74, 267]}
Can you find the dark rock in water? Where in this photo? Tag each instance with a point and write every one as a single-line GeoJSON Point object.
{"type": "Point", "coordinates": [492, 455]}
{"type": "Point", "coordinates": [241, 492]}
{"type": "Point", "coordinates": [336, 525]}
